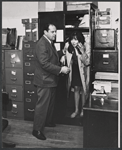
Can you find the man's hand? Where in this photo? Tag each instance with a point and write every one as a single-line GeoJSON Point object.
{"type": "Point", "coordinates": [63, 60]}
{"type": "Point", "coordinates": [65, 70]}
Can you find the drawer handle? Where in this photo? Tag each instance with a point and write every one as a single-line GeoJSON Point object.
{"type": "Point", "coordinates": [30, 92]}
{"type": "Point", "coordinates": [27, 45]}
{"type": "Point", "coordinates": [13, 95]}
{"type": "Point", "coordinates": [28, 100]}
{"type": "Point", "coordinates": [27, 64]}
{"type": "Point", "coordinates": [27, 82]}
{"type": "Point", "coordinates": [14, 79]}
{"type": "Point", "coordinates": [30, 55]}
{"type": "Point", "coordinates": [32, 110]}
{"type": "Point", "coordinates": [105, 63]}
{"type": "Point", "coordinates": [30, 74]}
{"type": "Point", "coordinates": [14, 112]}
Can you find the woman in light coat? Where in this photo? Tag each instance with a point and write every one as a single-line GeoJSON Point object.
{"type": "Point", "coordinates": [78, 60]}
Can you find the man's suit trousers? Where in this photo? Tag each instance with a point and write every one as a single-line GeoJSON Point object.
{"type": "Point", "coordinates": [44, 107]}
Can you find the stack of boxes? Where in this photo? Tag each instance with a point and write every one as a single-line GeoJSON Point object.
{"type": "Point", "coordinates": [80, 5]}
{"type": "Point", "coordinates": [29, 44]}
{"type": "Point", "coordinates": [103, 19]}
{"type": "Point", "coordinates": [31, 29]}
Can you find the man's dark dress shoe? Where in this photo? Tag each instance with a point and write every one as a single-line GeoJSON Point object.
{"type": "Point", "coordinates": [39, 135]}
{"type": "Point", "coordinates": [8, 145]}
{"type": "Point", "coordinates": [50, 125]}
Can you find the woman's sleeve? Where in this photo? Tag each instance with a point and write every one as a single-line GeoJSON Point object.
{"type": "Point", "coordinates": [85, 57]}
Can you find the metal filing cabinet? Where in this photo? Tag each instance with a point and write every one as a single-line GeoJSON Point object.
{"type": "Point", "coordinates": [101, 119]}
{"type": "Point", "coordinates": [14, 82]}
{"type": "Point", "coordinates": [3, 70]}
{"type": "Point", "coordinates": [30, 95]}
{"type": "Point", "coordinates": [105, 51]}
{"type": "Point", "coordinates": [105, 61]}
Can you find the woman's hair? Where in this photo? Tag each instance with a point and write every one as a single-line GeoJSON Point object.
{"type": "Point", "coordinates": [78, 36]}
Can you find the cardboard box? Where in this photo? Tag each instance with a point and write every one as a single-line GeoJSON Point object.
{"type": "Point", "coordinates": [25, 21]}
{"type": "Point", "coordinates": [81, 3]}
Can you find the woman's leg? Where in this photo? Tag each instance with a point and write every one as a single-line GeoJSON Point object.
{"type": "Point", "coordinates": [76, 98]}
{"type": "Point", "coordinates": [83, 102]}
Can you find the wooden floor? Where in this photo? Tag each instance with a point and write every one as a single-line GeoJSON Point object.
{"type": "Point", "coordinates": [61, 136]}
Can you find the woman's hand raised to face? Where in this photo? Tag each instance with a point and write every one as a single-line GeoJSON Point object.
{"type": "Point", "coordinates": [65, 47]}
{"type": "Point", "coordinates": [81, 47]}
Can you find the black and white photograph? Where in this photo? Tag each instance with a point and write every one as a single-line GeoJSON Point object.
{"type": "Point", "coordinates": [60, 74]}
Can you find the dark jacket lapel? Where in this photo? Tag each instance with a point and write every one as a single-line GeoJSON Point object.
{"type": "Point", "coordinates": [53, 49]}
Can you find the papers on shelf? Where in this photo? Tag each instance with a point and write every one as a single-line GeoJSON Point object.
{"type": "Point", "coordinates": [69, 26]}
{"type": "Point", "coordinates": [97, 93]}
{"type": "Point", "coordinates": [105, 84]}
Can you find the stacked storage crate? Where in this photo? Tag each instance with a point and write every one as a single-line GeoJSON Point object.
{"type": "Point", "coordinates": [29, 44]}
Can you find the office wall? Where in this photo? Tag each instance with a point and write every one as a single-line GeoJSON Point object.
{"type": "Point", "coordinates": [13, 12]}
{"type": "Point", "coordinates": [115, 11]}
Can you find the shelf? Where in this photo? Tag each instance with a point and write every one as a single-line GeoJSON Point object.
{"type": "Point", "coordinates": [77, 12]}
{"type": "Point", "coordinates": [85, 29]}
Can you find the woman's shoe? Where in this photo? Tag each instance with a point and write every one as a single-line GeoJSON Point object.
{"type": "Point", "coordinates": [81, 114]}
{"type": "Point", "coordinates": [74, 114]}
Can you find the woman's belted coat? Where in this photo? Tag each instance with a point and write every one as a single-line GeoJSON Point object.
{"type": "Point", "coordinates": [84, 68]}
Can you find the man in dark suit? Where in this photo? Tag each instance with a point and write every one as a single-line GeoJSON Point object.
{"type": "Point", "coordinates": [46, 79]}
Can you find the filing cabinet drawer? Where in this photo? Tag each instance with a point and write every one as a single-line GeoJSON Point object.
{"type": "Point", "coordinates": [29, 70]}
{"type": "Point", "coordinates": [29, 45]}
{"type": "Point", "coordinates": [15, 92]}
{"type": "Point", "coordinates": [3, 55]}
{"type": "Point", "coordinates": [17, 111]}
{"type": "Point", "coordinates": [28, 83]}
{"type": "Point", "coordinates": [3, 76]}
{"type": "Point", "coordinates": [30, 99]}
{"type": "Point", "coordinates": [13, 58]}
{"type": "Point", "coordinates": [104, 39]}
{"type": "Point", "coordinates": [105, 61]}
{"type": "Point", "coordinates": [14, 76]}
{"type": "Point", "coordinates": [3, 65]}
{"type": "Point", "coordinates": [30, 91]}
{"type": "Point", "coordinates": [29, 109]}
{"type": "Point", "coordinates": [29, 54]}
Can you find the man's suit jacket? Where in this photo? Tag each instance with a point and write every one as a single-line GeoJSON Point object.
{"type": "Point", "coordinates": [47, 64]}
